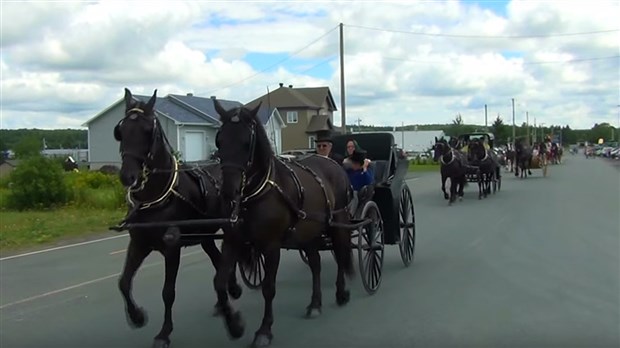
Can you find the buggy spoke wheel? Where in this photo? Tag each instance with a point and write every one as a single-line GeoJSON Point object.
{"type": "Point", "coordinates": [253, 271]}
{"type": "Point", "coordinates": [370, 247]}
{"type": "Point", "coordinates": [407, 226]}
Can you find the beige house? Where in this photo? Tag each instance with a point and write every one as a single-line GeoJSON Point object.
{"type": "Point", "coordinates": [305, 111]}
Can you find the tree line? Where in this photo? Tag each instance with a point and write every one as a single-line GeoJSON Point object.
{"type": "Point", "coordinates": [503, 131]}
{"type": "Point", "coordinates": [10, 139]}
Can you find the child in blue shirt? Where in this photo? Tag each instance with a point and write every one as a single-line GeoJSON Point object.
{"type": "Point", "coordinates": [359, 173]}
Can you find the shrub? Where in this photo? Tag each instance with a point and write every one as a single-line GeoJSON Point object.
{"type": "Point", "coordinates": [37, 182]}
{"type": "Point", "coordinates": [94, 189]}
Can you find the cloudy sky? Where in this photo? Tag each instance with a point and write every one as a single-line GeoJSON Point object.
{"type": "Point", "coordinates": [417, 62]}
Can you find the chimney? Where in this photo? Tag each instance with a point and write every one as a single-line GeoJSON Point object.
{"type": "Point", "coordinates": [290, 86]}
{"type": "Point", "coordinates": [281, 84]}
{"type": "Point", "coordinates": [190, 94]}
{"type": "Point", "coordinates": [213, 97]}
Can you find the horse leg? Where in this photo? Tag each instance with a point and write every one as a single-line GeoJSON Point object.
{"type": "Point", "coordinates": [453, 182]}
{"type": "Point", "coordinates": [136, 253]}
{"type": "Point", "coordinates": [172, 257]}
{"type": "Point", "coordinates": [234, 322]}
{"type": "Point", "coordinates": [443, 186]}
{"type": "Point", "coordinates": [314, 261]}
{"type": "Point", "coordinates": [263, 336]}
{"type": "Point", "coordinates": [461, 189]}
{"type": "Point", "coordinates": [341, 243]}
{"type": "Point", "coordinates": [234, 289]}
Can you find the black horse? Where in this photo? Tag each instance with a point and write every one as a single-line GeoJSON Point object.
{"type": "Point", "coordinates": [454, 165]}
{"type": "Point", "coordinates": [523, 157]}
{"type": "Point", "coordinates": [488, 164]}
{"type": "Point", "coordinates": [158, 190]}
{"type": "Point", "coordinates": [279, 203]}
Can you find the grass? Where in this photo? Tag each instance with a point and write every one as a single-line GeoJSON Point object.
{"type": "Point", "coordinates": [22, 229]}
{"type": "Point", "coordinates": [423, 167]}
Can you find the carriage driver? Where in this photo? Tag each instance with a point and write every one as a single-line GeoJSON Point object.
{"type": "Point", "coordinates": [324, 146]}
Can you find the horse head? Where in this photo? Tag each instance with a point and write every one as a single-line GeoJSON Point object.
{"type": "Point", "coordinates": [477, 150]}
{"type": "Point", "coordinates": [243, 148]}
{"type": "Point", "coordinates": [138, 133]}
{"type": "Point", "coordinates": [440, 148]}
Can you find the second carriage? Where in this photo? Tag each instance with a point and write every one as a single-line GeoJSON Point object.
{"type": "Point", "coordinates": [488, 141]}
{"type": "Point", "coordinates": [385, 214]}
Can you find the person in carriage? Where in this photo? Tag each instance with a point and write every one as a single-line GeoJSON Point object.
{"type": "Point", "coordinates": [360, 175]}
{"type": "Point", "coordinates": [324, 147]}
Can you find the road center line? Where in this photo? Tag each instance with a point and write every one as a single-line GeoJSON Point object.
{"type": "Point", "coordinates": [53, 292]}
{"type": "Point", "coordinates": [118, 251]}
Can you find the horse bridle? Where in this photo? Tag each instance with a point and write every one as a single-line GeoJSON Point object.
{"type": "Point", "coordinates": [236, 202]}
{"type": "Point", "coordinates": [133, 114]}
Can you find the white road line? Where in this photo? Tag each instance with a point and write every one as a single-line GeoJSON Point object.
{"type": "Point", "coordinates": [62, 247]}
{"type": "Point", "coordinates": [118, 252]}
{"type": "Point", "coordinates": [53, 292]}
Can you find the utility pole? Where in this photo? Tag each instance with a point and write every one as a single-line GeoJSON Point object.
{"type": "Point", "coordinates": [485, 118]}
{"type": "Point", "coordinates": [514, 132]}
{"type": "Point", "coordinates": [343, 113]}
{"type": "Point", "coordinates": [527, 123]}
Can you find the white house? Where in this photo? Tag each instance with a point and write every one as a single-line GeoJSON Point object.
{"type": "Point", "coordinates": [190, 124]}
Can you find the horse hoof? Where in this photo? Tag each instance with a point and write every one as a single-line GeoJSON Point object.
{"type": "Point", "coordinates": [342, 298]}
{"type": "Point", "coordinates": [235, 325]}
{"type": "Point", "coordinates": [161, 343]}
{"type": "Point", "coordinates": [446, 196]}
{"type": "Point", "coordinates": [261, 340]}
{"type": "Point", "coordinates": [137, 319]}
{"type": "Point", "coordinates": [460, 198]}
{"type": "Point", "coordinates": [235, 291]}
{"type": "Point", "coordinates": [312, 312]}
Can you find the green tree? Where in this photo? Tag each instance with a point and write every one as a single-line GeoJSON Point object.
{"type": "Point", "coordinates": [37, 182]}
{"type": "Point", "coordinates": [499, 129]}
{"type": "Point", "coordinates": [28, 147]}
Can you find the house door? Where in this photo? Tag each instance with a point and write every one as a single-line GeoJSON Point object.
{"type": "Point", "coordinates": [194, 146]}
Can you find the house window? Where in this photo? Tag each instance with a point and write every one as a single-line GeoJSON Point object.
{"type": "Point", "coordinates": [291, 117]}
{"type": "Point", "coordinates": [311, 140]}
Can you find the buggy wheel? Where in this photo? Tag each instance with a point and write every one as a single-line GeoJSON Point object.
{"type": "Point", "coordinates": [370, 248]}
{"type": "Point", "coordinates": [407, 226]}
{"type": "Point", "coordinates": [253, 270]}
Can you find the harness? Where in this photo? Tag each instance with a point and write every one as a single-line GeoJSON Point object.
{"type": "Point", "coordinates": [268, 182]}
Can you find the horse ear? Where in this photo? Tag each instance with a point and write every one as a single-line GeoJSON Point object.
{"type": "Point", "coordinates": [151, 104]}
{"type": "Point", "coordinates": [255, 110]}
{"type": "Point", "coordinates": [128, 98]}
{"type": "Point", "coordinates": [220, 110]}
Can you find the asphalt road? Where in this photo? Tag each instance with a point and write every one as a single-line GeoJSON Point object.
{"type": "Point", "coordinates": [535, 265]}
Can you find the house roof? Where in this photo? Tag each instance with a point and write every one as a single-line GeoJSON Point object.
{"type": "Point", "coordinates": [320, 123]}
{"type": "Point", "coordinates": [205, 106]}
{"type": "Point", "coordinates": [288, 97]}
{"type": "Point", "coordinates": [181, 109]}
{"type": "Point", "coordinates": [264, 113]}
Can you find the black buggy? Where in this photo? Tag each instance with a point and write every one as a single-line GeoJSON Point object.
{"type": "Point", "coordinates": [385, 213]}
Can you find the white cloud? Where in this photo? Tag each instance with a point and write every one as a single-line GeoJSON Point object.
{"type": "Point", "coordinates": [64, 62]}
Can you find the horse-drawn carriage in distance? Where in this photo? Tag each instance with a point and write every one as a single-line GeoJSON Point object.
{"type": "Point", "coordinates": [487, 140]}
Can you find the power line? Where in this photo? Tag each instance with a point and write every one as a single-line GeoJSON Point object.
{"type": "Point", "coordinates": [317, 65]}
{"type": "Point", "coordinates": [484, 36]}
{"type": "Point", "coordinates": [290, 56]}
{"type": "Point", "coordinates": [576, 60]}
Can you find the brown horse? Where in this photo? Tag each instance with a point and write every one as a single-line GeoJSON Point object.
{"type": "Point", "coordinates": [279, 203]}
{"type": "Point", "coordinates": [161, 190]}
